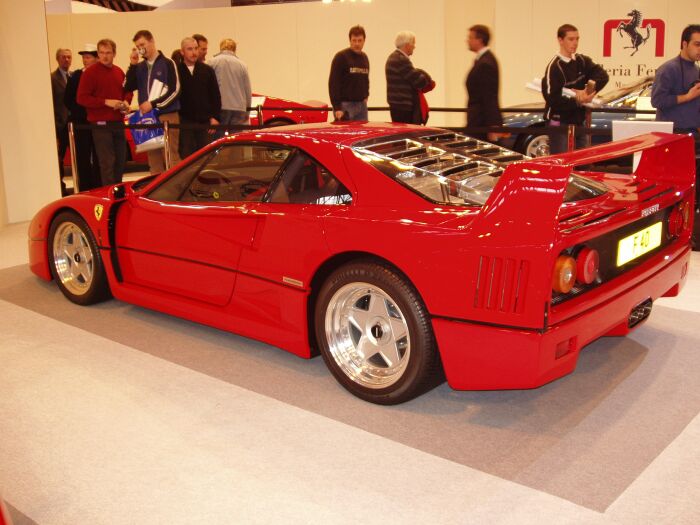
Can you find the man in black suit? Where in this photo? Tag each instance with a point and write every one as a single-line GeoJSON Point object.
{"type": "Point", "coordinates": [59, 78]}
{"type": "Point", "coordinates": [482, 84]}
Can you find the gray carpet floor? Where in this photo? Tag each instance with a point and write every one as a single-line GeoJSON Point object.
{"type": "Point", "coordinates": [584, 438]}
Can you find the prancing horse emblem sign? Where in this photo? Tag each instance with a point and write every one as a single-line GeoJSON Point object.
{"type": "Point", "coordinates": [98, 211]}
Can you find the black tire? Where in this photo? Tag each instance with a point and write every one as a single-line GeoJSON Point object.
{"type": "Point", "coordinates": [369, 300]}
{"type": "Point", "coordinates": [75, 260]}
{"type": "Point", "coordinates": [276, 122]}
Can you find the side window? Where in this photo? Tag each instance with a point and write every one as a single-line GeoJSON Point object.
{"type": "Point", "coordinates": [235, 172]}
{"type": "Point", "coordinates": [175, 187]}
{"type": "Point", "coordinates": [305, 181]}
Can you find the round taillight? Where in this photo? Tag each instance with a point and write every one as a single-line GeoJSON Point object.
{"type": "Point", "coordinates": [675, 220]}
{"type": "Point", "coordinates": [679, 219]}
{"type": "Point", "coordinates": [564, 274]}
{"type": "Point", "coordinates": [587, 264]}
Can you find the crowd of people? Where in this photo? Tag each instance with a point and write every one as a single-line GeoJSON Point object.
{"type": "Point", "coordinates": [188, 90]}
{"type": "Point", "coordinates": [190, 93]}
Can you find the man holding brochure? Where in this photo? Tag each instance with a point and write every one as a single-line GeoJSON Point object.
{"type": "Point", "coordinates": [156, 79]}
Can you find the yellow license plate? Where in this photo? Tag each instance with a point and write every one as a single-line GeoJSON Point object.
{"type": "Point", "coordinates": [638, 244]}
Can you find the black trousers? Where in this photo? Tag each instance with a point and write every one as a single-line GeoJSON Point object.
{"type": "Point", "coordinates": [62, 145]}
{"type": "Point", "coordinates": [110, 144]}
{"type": "Point", "coordinates": [193, 138]}
{"type": "Point", "coordinates": [407, 116]}
{"type": "Point", "coordinates": [86, 160]}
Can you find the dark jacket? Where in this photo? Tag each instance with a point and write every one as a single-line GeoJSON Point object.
{"type": "Point", "coordinates": [58, 88]}
{"type": "Point", "coordinates": [76, 112]}
{"type": "Point", "coordinates": [403, 82]}
{"type": "Point", "coordinates": [200, 98]}
{"type": "Point", "coordinates": [573, 75]}
{"type": "Point", "coordinates": [349, 77]}
{"type": "Point", "coordinates": [482, 87]}
{"type": "Point", "coordinates": [137, 78]}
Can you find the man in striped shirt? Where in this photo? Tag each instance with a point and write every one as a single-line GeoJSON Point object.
{"type": "Point", "coordinates": [403, 81]}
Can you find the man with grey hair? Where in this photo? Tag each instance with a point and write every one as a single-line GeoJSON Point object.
{"type": "Point", "coordinates": [234, 84]}
{"type": "Point", "coordinates": [59, 79]}
{"type": "Point", "coordinates": [405, 83]}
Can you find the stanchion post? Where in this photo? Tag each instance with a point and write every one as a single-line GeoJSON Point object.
{"type": "Point", "coordinates": [589, 120]}
{"type": "Point", "coordinates": [73, 158]}
{"type": "Point", "coordinates": [570, 137]}
{"type": "Point", "coordinates": [166, 145]}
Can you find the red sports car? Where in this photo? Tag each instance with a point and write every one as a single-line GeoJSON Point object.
{"type": "Point", "coordinates": [398, 252]}
{"type": "Point", "coordinates": [280, 112]}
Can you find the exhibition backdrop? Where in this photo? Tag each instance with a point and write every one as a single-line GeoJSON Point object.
{"type": "Point", "coordinates": [288, 49]}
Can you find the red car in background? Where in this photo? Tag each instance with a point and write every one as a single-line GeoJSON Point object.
{"type": "Point", "coordinates": [400, 253]}
{"type": "Point", "coordinates": [287, 112]}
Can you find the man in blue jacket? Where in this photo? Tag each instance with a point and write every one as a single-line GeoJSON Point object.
{"type": "Point", "coordinates": [156, 79]}
{"type": "Point", "coordinates": [676, 96]}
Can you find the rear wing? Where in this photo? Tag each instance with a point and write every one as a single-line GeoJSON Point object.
{"type": "Point", "coordinates": [519, 224]}
{"type": "Point", "coordinates": [530, 193]}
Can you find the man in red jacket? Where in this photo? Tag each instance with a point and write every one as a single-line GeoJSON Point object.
{"type": "Point", "coordinates": [102, 94]}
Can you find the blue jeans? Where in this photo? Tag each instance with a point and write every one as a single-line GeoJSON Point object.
{"type": "Point", "coordinates": [355, 110]}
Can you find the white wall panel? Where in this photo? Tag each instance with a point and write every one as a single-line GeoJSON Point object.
{"type": "Point", "coordinates": [28, 159]}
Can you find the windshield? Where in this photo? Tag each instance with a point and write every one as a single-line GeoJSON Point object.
{"type": "Point", "coordinates": [450, 168]}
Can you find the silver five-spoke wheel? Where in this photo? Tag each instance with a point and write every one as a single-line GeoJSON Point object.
{"type": "Point", "coordinates": [75, 260]}
{"type": "Point", "coordinates": [375, 334]}
{"type": "Point", "coordinates": [367, 335]}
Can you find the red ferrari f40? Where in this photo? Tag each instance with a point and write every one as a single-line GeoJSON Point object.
{"type": "Point", "coordinates": [401, 254]}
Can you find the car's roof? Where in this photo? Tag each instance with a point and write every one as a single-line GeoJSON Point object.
{"type": "Point", "coordinates": [344, 133]}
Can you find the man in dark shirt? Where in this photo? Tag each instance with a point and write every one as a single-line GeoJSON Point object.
{"type": "Point", "coordinates": [404, 82]}
{"type": "Point", "coordinates": [570, 81]}
{"type": "Point", "coordinates": [85, 155]}
{"type": "Point", "coordinates": [348, 83]}
{"type": "Point", "coordinates": [200, 100]}
{"type": "Point", "coordinates": [482, 84]}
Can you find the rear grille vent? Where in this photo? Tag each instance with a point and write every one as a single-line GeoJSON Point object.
{"type": "Point", "coordinates": [501, 284]}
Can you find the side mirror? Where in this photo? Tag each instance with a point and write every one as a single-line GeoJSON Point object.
{"type": "Point", "coordinates": [119, 192]}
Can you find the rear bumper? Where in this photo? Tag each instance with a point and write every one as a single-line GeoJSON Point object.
{"type": "Point", "coordinates": [482, 357]}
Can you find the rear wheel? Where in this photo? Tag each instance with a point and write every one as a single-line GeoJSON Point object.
{"type": "Point", "coordinates": [375, 334]}
{"type": "Point", "coordinates": [75, 260]}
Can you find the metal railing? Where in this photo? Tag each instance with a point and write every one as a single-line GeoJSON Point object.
{"type": "Point", "coordinates": [539, 128]}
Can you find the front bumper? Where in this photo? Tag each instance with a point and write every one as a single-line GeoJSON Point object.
{"type": "Point", "coordinates": [482, 357]}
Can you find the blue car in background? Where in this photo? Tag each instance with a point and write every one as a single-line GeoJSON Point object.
{"type": "Point", "coordinates": [633, 96]}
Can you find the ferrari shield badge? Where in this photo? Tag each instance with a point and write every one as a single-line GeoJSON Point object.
{"type": "Point", "coordinates": [98, 211]}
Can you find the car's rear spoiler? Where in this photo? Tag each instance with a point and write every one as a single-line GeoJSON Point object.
{"type": "Point", "coordinates": [529, 194]}
{"type": "Point", "coordinates": [524, 208]}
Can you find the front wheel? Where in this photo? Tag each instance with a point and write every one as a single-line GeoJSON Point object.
{"type": "Point", "coordinates": [75, 260]}
{"type": "Point", "coordinates": [537, 146]}
{"type": "Point", "coordinates": [375, 335]}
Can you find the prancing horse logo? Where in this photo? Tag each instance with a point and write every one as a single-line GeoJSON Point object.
{"type": "Point", "coordinates": [98, 211]}
{"type": "Point", "coordinates": [631, 29]}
